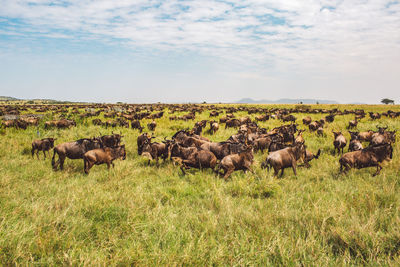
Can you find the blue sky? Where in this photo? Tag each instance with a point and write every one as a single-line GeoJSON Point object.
{"type": "Point", "coordinates": [202, 50]}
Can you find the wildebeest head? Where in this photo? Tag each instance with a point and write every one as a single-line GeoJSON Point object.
{"type": "Point", "coordinates": [142, 140]}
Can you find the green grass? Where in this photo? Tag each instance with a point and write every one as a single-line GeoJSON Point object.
{"type": "Point", "coordinates": [147, 215]}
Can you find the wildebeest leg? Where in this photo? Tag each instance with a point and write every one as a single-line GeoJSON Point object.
{"type": "Point", "coordinates": [228, 173]}
{"type": "Point", "coordinates": [61, 160]}
{"type": "Point", "coordinates": [378, 169]}
{"type": "Point", "coordinates": [108, 165]}
{"type": "Point", "coordinates": [294, 168]}
{"type": "Point", "coordinates": [183, 169]}
{"type": "Point", "coordinates": [44, 153]}
{"type": "Point", "coordinates": [37, 154]}
{"type": "Point", "coordinates": [282, 170]}
{"type": "Point", "coordinates": [33, 151]}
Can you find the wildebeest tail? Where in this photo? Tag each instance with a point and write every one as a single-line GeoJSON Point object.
{"type": "Point", "coordinates": [318, 153]}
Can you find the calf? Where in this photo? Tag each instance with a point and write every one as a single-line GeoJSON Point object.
{"type": "Point", "coordinates": [371, 156]}
{"type": "Point", "coordinates": [42, 145]}
{"type": "Point", "coordinates": [103, 155]}
{"type": "Point", "coordinates": [340, 142]}
{"type": "Point", "coordinates": [241, 161]}
{"type": "Point", "coordinates": [155, 150]}
{"type": "Point", "coordinates": [285, 158]}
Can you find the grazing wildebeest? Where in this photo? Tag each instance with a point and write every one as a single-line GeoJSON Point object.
{"type": "Point", "coordinates": [310, 156]}
{"type": "Point", "coordinates": [222, 149]}
{"type": "Point", "coordinates": [352, 124]}
{"type": "Point", "coordinates": [371, 156]}
{"type": "Point", "coordinates": [136, 125]}
{"type": "Point", "coordinates": [340, 141]}
{"type": "Point", "coordinates": [241, 161]}
{"type": "Point", "coordinates": [73, 150]}
{"type": "Point", "coordinates": [214, 126]}
{"type": "Point", "coordinates": [103, 155]}
{"type": "Point", "coordinates": [285, 158]}
{"type": "Point", "coordinates": [299, 138]}
{"type": "Point", "coordinates": [330, 118]}
{"type": "Point", "coordinates": [44, 145]}
{"type": "Point", "coordinates": [366, 136]}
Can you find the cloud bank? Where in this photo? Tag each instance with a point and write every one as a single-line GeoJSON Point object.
{"type": "Point", "coordinates": [292, 45]}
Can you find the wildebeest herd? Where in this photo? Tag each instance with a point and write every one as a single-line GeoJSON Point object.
{"type": "Point", "coordinates": [285, 144]}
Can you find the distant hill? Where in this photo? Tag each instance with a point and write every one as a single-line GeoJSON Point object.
{"type": "Point", "coordinates": [8, 98]}
{"type": "Point", "coordinates": [285, 101]}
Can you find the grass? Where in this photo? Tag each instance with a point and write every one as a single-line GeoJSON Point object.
{"type": "Point", "coordinates": [146, 215]}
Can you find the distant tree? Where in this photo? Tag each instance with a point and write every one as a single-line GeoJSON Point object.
{"type": "Point", "coordinates": [387, 101]}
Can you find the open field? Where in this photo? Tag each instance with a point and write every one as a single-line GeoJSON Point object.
{"type": "Point", "coordinates": [148, 215]}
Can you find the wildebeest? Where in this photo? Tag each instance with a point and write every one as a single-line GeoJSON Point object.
{"type": "Point", "coordinates": [63, 123]}
{"type": "Point", "coordinates": [103, 155]}
{"type": "Point", "coordinates": [222, 149]}
{"type": "Point", "coordinates": [299, 138]}
{"type": "Point", "coordinates": [136, 125]}
{"type": "Point", "coordinates": [112, 140]}
{"type": "Point", "coordinates": [214, 126]}
{"type": "Point", "coordinates": [285, 158]}
{"type": "Point", "coordinates": [233, 123]}
{"type": "Point", "coordinates": [340, 142]}
{"type": "Point", "coordinates": [307, 120]}
{"type": "Point", "coordinates": [352, 124]}
{"type": "Point", "coordinates": [152, 125]}
{"type": "Point", "coordinates": [142, 141]}
{"type": "Point", "coordinates": [241, 161]}
{"type": "Point", "coordinates": [383, 136]}
{"type": "Point", "coordinates": [195, 158]}
{"type": "Point", "coordinates": [73, 150]}
{"type": "Point", "coordinates": [309, 156]}
{"type": "Point", "coordinates": [371, 156]}
{"type": "Point", "coordinates": [355, 143]}
{"type": "Point", "coordinates": [44, 145]}
{"type": "Point", "coordinates": [155, 150]}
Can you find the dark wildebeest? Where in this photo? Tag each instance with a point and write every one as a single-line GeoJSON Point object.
{"type": "Point", "coordinates": [313, 126]}
{"type": "Point", "coordinates": [42, 145]}
{"type": "Point", "coordinates": [233, 123]}
{"type": "Point", "coordinates": [152, 125]}
{"type": "Point", "coordinates": [222, 149]}
{"type": "Point", "coordinates": [136, 125]}
{"type": "Point", "coordinates": [383, 136]}
{"type": "Point", "coordinates": [320, 131]}
{"type": "Point", "coordinates": [309, 156]}
{"type": "Point", "coordinates": [155, 150]}
{"type": "Point", "coordinates": [330, 118]}
{"type": "Point", "coordinates": [340, 142]}
{"type": "Point", "coordinates": [307, 120]}
{"type": "Point", "coordinates": [112, 140]}
{"type": "Point", "coordinates": [262, 143]}
{"type": "Point", "coordinates": [103, 155]}
{"type": "Point", "coordinates": [355, 143]}
{"type": "Point", "coordinates": [367, 157]}
{"type": "Point", "coordinates": [73, 150]}
{"type": "Point", "coordinates": [352, 124]}
{"type": "Point", "coordinates": [214, 126]}
{"type": "Point", "coordinates": [285, 158]}
{"type": "Point", "coordinates": [142, 140]}
{"type": "Point", "coordinates": [194, 158]}
{"type": "Point", "coordinates": [299, 138]}
{"type": "Point", "coordinates": [241, 161]}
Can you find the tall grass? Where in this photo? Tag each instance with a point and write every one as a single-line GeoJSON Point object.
{"type": "Point", "coordinates": [148, 215]}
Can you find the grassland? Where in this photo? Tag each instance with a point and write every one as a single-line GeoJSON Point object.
{"type": "Point", "coordinates": [147, 215]}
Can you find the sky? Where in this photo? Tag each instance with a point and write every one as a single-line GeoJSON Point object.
{"type": "Point", "coordinates": [200, 50]}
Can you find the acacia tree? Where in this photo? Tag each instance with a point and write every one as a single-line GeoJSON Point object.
{"type": "Point", "coordinates": [387, 101]}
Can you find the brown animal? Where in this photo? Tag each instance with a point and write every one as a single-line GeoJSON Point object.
{"type": "Point", "coordinates": [136, 125]}
{"type": "Point", "coordinates": [142, 141]}
{"type": "Point", "coordinates": [152, 125]}
{"type": "Point", "coordinates": [309, 156]}
{"type": "Point", "coordinates": [366, 136]}
{"type": "Point", "coordinates": [73, 150]}
{"type": "Point", "coordinates": [320, 131]}
{"type": "Point", "coordinates": [214, 126]}
{"type": "Point", "coordinates": [112, 140]}
{"type": "Point", "coordinates": [352, 124]}
{"type": "Point", "coordinates": [103, 155]}
{"type": "Point", "coordinates": [340, 142]}
{"type": "Point", "coordinates": [241, 161]}
{"type": "Point", "coordinates": [355, 143]}
{"type": "Point", "coordinates": [200, 159]}
{"type": "Point", "coordinates": [44, 145]}
{"type": "Point", "coordinates": [383, 136]}
{"type": "Point", "coordinates": [299, 137]}
{"type": "Point", "coordinates": [285, 158]}
{"type": "Point", "coordinates": [155, 150]}
{"type": "Point", "coordinates": [307, 120]}
{"type": "Point", "coordinates": [371, 156]}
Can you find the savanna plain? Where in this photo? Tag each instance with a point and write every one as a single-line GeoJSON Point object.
{"type": "Point", "coordinates": [147, 215]}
